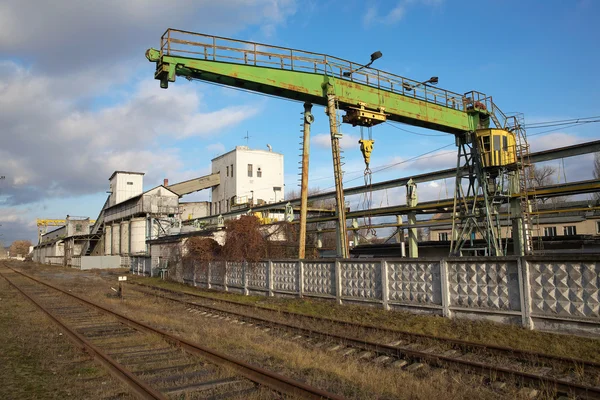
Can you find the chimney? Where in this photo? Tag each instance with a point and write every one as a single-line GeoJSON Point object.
{"type": "Point", "coordinates": [165, 182]}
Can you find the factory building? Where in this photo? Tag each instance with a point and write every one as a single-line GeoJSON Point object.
{"type": "Point", "coordinates": [247, 177]}
{"type": "Point", "coordinates": [131, 216]}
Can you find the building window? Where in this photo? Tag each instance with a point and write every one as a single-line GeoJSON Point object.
{"type": "Point", "coordinates": [130, 183]}
{"type": "Point", "coordinates": [443, 236]}
{"type": "Point", "coordinates": [597, 226]}
{"type": "Point", "coordinates": [258, 172]}
{"type": "Point", "coordinates": [550, 231]}
{"type": "Point", "coordinates": [249, 170]}
{"type": "Point", "coordinates": [231, 170]}
{"type": "Point", "coordinates": [78, 228]}
{"type": "Point", "coordinates": [227, 171]}
{"type": "Point", "coordinates": [570, 230]}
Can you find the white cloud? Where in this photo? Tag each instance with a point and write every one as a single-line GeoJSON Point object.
{"type": "Point", "coordinates": [52, 148]}
{"type": "Point", "coordinates": [396, 13]}
{"type": "Point", "coordinates": [347, 141]}
{"type": "Point", "coordinates": [63, 35]}
{"type": "Point", "coordinates": [553, 140]}
{"type": "Point", "coordinates": [217, 148]}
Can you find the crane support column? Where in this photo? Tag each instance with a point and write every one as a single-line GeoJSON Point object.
{"type": "Point", "coordinates": [516, 212]}
{"type": "Point", "coordinates": [340, 204]}
{"type": "Point", "coordinates": [308, 119]}
{"type": "Point", "coordinates": [411, 201]}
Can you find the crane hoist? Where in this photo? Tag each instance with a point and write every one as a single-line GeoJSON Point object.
{"type": "Point", "coordinates": [492, 150]}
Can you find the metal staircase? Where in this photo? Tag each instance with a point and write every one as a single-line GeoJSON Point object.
{"type": "Point", "coordinates": [96, 232]}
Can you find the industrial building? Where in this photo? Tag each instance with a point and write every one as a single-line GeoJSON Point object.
{"type": "Point", "coordinates": [131, 217]}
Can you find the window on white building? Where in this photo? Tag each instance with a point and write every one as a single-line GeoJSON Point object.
{"type": "Point", "coordinates": [550, 231]}
{"type": "Point", "coordinates": [231, 170]}
{"type": "Point", "coordinates": [258, 172]}
{"type": "Point", "coordinates": [443, 236]}
{"type": "Point", "coordinates": [570, 230]}
{"type": "Point", "coordinates": [597, 226]}
{"type": "Point", "coordinates": [227, 170]}
{"type": "Point", "coordinates": [249, 170]}
{"type": "Point", "coordinates": [130, 183]}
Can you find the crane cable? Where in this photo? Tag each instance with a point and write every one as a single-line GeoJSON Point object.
{"type": "Point", "coordinates": [366, 146]}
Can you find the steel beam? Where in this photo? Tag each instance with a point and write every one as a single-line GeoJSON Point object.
{"type": "Point", "coordinates": [547, 155]}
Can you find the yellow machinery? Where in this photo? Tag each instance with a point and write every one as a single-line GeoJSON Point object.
{"type": "Point", "coordinates": [498, 148]}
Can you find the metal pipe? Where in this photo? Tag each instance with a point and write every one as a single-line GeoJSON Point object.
{"type": "Point", "coordinates": [308, 119]}
{"type": "Point", "coordinates": [340, 205]}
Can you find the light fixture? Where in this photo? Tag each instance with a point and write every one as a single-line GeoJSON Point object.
{"type": "Point", "coordinates": [374, 57]}
{"type": "Point", "coordinates": [433, 81]}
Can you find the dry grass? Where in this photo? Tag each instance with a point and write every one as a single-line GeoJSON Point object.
{"type": "Point", "coordinates": [38, 362]}
{"type": "Point", "coordinates": [478, 331]}
{"type": "Point", "coordinates": [330, 371]}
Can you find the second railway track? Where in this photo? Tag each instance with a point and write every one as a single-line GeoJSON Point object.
{"type": "Point", "coordinates": [153, 363]}
{"type": "Point", "coordinates": [563, 375]}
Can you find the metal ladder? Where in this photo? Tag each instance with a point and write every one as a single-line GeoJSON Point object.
{"type": "Point", "coordinates": [531, 228]}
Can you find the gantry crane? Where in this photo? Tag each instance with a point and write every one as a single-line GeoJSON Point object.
{"type": "Point", "coordinates": [490, 156]}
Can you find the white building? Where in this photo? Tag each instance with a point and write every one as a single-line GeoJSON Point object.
{"type": "Point", "coordinates": [247, 177]}
{"type": "Point", "coordinates": [125, 185]}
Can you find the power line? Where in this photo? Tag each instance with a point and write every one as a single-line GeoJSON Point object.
{"type": "Point", "coordinates": [413, 132]}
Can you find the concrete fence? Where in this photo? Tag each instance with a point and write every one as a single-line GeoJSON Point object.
{"type": "Point", "coordinates": [552, 293]}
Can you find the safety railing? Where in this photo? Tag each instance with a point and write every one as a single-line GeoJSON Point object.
{"type": "Point", "coordinates": [200, 46]}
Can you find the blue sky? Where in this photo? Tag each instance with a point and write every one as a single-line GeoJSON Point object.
{"type": "Point", "coordinates": [79, 100]}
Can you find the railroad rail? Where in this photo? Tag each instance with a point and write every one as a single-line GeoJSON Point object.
{"type": "Point", "coordinates": [151, 361]}
{"type": "Point", "coordinates": [564, 375]}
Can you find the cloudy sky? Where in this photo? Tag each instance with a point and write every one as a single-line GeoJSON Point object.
{"type": "Point", "coordinates": [78, 99]}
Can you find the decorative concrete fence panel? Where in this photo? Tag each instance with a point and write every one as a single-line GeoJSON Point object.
{"type": "Point", "coordinates": [414, 282]}
{"type": "Point", "coordinates": [201, 274]}
{"type": "Point", "coordinates": [361, 280]}
{"type": "Point", "coordinates": [319, 278]}
{"type": "Point", "coordinates": [568, 288]}
{"type": "Point", "coordinates": [217, 274]}
{"type": "Point", "coordinates": [235, 274]}
{"type": "Point", "coordinates": [257, 275]}
{"type": "Point", "coordinates": [484, 284]}
{"type": "Point", "coordinates": [285, 276]}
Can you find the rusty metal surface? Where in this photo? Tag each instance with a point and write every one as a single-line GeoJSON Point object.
{"type": "Point", "coordinates": [256, 374]}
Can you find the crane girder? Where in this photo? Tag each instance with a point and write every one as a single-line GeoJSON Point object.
{"type": "Point", "coordinates": [313, 87]}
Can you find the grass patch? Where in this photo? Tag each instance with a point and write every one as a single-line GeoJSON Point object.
{"type": "Point", "coordinates": [478, 331]}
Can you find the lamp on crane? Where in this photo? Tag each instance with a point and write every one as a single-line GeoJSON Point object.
{"type": "Point", "coordinates": [433, 81]}
{"type": "Point", "coordinates": [374, 57]}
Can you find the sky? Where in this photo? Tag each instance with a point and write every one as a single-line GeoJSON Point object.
{"type": "Point", "coordinates": [78, 99]}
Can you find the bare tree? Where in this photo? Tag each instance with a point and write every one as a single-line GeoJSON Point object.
{"type": "Point", "coordinates": [19, 248]}
{"type": "Point", "coordinates": [544, 176]}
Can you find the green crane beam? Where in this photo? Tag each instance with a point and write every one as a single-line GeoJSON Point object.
{"type": "Point", "coordinates": [305, 77]}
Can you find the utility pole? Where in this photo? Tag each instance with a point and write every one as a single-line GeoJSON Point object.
{"type": "Point", "coordinates": [308, 119]}
{"type": "Point", "coordinates": [342, 247]}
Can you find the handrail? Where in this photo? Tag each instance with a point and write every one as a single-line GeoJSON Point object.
{"type": "Point", "coordinates": [180, 43]}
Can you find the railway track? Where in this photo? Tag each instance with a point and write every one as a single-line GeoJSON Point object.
{"type": "Point", "coordinates": [153, 363]}
{"type": "Point", "coordinates": [553, 374]}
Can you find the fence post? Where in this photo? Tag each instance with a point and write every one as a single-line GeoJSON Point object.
{"type": "Point", "coordinates": [338, 281]}
{"type": "Point", "coordinates": [208, 285]}
{"type": "Point", "coordinates": [245, 276]}
{"type": "Point", "coordinates": [445, 288]}
{"type": "Point", "coordinates": [384, 285]}
{"type": "Point", "coordinates": [270, 277]}
{"type": "Point", "coordinates": [524, 293]}
{"type": "Point", "coordinates": [300, 278]}
{"type": "Point", "coordinates": [225, 269]}
{"type": "Point", "coordinates": [194, 273]}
